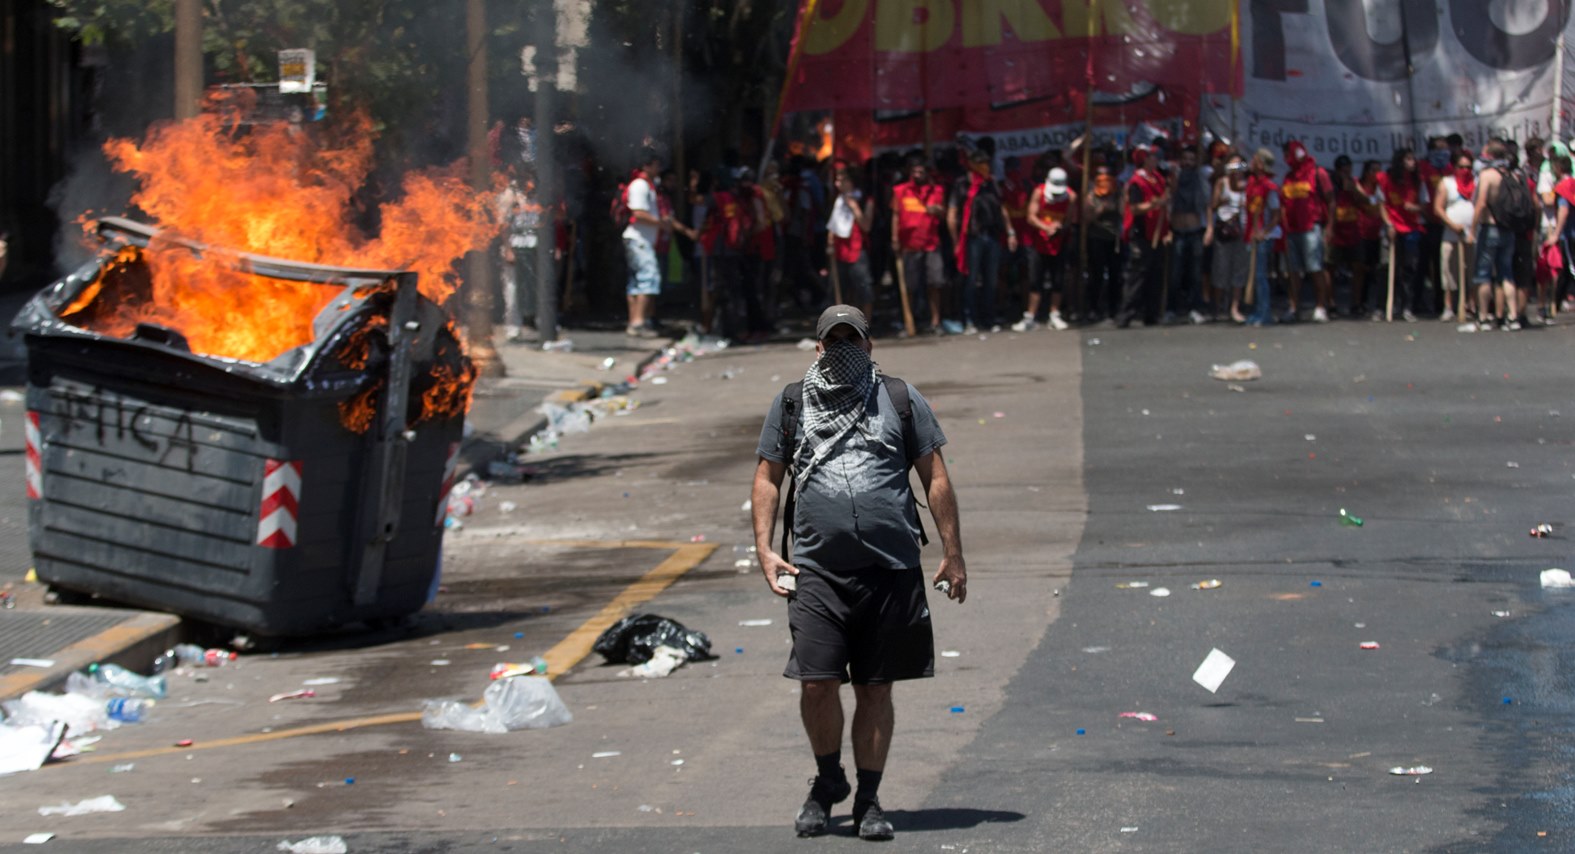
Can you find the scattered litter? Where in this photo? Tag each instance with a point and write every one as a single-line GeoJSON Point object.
{"type": "Point", "coordinates": [1211, 584]}
{"type": "Point", "coordinates": [32, 662]}
{"type": "Point", "coordinates": [507, 507]}
{"type": "Point", "coordinates": [1160, 592]}
{"type": "Point", "coordinates": [80, 712]}
{"type": "Point", "coordinates": [1129, 830]}
{"type": "Point", "coordinates": [743, 563]}
{"type": "Point", "coordinates": [316, 845]}
{"type": "Point", "coordinates": [752, 623]}
{"type": "Point", "coordinates": [1541, 532]}
{"type": "Point", "coordinates": [322, 680]}
{"type": "Point", "coordinates": [440, 662]}
{"type": "Point", "coordinates": [697, 538]}
{"type": "Point", "coordinates": [1131, 585]}
{"type": "Point", "coordinates": [102, 803]}
{"type": "Point", "coordinates": [455, 757]}
{"type": "Point", "coordinates": [1163, 508]}
{"type": "Point", "coordinates": [1000, 415]}
{"type": "Point", "coordinates": [1557, 579]}
{"type": "Point", "coordinates": [1146, 717]}
{"type": "Point", "coordinates": [1095, 650]}
{"type": "Point", "coordinates": [27, 748]}
{"type": "Point", "coordinates": [1414, 771]}
{"type": "Point", "coordinates": [634, 639]}
{"type": "Point", "coordinates": [1512, 465]}
{"type": "Point", "coordinates": [806, 343]}
{"type": "Point", "coordinates": [608, 363]}
{"type": "Point", "coordinates": [562, 345]}
{"type": "Point", "coordinates": [185, 742]}
{"type": "Point", "coordinates": [1315, 584]}
{"type": "Point", "coordinates": [1349, 520]}
{"type": "Point", "coordinates": [950, 653]}
{"type": "Point", "coordinates": [1368, 644]}
{"type": "Point", "coordinates": [664, 660]}
{"type": "Point", "coordinates": [1244, 370]}
{"type": "Point", "coordinates": [1081, 731]}
{"type": "Point", "coordinates": [1310, 437]}
{"type": "Point", "coordinates": [1212, 672]}
{"type": "Point", "coordinates": [606, 754]}
{"type": "Point", "coordinates": [748, 505]}
{"type": "Point", "coordinates": [657, 380]}
{"type": "Point", "coordinates": [123, 768]}
{"type": "Point", "coordinates": [537, 666]}
{"type": "Point", "coordinates": [957, 710]}
{"type": "Point", "coordinates": [37, 838]}
{"type": "Point", "coordinates": [1178, 492]}
{"type": "Point", "coordinates": [1312, 720]}
{"type": "Point", "coordinates": [521, 702]}
{"type": "Point", "coordinates": [1235, 387]}
{"type": "Point", "coordinates": [10, 396]}
{"type": "Point", "coordinates": [1501, 613]}
{"type": "Point", "coordinates": [302, 694]}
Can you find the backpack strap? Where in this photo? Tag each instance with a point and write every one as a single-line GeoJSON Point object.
{"type": "Point", "coordinates": [787, 446]}
{"type": "Point", "coordinates": [897, 390]}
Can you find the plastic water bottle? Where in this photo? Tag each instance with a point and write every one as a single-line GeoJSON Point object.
{"type": "Point", "coordinates": [128, 710]}
{"type": "Point", "coordinates": [192, 655]}
{"type": "Point", "coordinates": [155, 687]}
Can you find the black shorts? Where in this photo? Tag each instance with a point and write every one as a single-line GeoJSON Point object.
{"type": "Point", "coordinates": [868, 626]}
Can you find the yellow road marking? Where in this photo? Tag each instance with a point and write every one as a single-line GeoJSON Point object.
{"type": "Point", "coordinates": [560, 659]}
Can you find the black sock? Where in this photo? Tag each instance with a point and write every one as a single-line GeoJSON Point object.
{"type": "Point", "coordinates": [869, 782]}
{"type": "Point", "coordinates": [829, 767]}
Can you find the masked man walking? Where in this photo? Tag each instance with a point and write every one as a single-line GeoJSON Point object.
{"type": "Point", "coordinates": [856, 594]}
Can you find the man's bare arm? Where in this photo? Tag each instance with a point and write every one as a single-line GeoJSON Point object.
{"type": "Point", "coordinates": [943, 508]}
{"type": "Point", "coordinates": [764, 499]}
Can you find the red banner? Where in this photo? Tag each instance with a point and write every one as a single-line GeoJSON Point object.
{"type": "Point", "coordinates": [896, 55]}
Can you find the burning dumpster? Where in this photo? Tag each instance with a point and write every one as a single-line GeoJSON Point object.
{"type": "Point", "coordinates": [282, 483]}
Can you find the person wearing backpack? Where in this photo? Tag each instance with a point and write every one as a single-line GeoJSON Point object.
{"type": "Point", "coordinates": [1499, 216]}
{"type": "Point", "coordinates": [644, 224]}
{"type": "Point", "coordinates": [857, 609]}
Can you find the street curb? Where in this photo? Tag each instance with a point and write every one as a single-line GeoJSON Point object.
{"type": "Point", "coordinates": [133, 643]}
{"type": "Point", "coordinates": [476, 451]}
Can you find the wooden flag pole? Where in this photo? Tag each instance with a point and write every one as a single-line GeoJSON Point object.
{"type": "Point", "coordinates": [907, 307]}
{"type": "Point", "coordinates": [1250, 296]}
{"type": "Point", "coordinates": [1389, 310]}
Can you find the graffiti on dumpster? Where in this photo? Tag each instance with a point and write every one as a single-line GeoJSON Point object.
{"type": "Point", "coordinates": [110, 418]}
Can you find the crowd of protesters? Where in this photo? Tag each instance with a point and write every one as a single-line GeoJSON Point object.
{"type": "Point", "coordinates": [1155, 234]}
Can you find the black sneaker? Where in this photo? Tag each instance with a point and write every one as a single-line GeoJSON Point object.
{"type": "Point", "coordinates": [816, 811]}
{"type": "Point", "coordinates": [872, 821]}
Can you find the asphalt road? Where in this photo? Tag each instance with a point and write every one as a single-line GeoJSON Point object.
{"type": "Point", "coordinates": [1059, 445]}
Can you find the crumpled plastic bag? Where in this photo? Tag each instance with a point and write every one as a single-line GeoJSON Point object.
{"type": "Point", "coordinates": [27, 748]}
{"type": "Point", "coordinates": [316, 845]}
{"type": "Point", "coordinates": [1557, 579]}
{"type": "Point", "coordinates": [663, 661]}
{"type": "Point", "coordinates": [102, 803]}
{"type": "Point", "coordinates": [1245, 370]}
{"type": "Point", "coordinates": [634, 639]}
{"type": "Point", "coordinates": [518, 702]}
{"type": "Point", "coordinates": [80, 712]}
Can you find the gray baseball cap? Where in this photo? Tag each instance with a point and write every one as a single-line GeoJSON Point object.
{"type": "Point", "coordinates": [840, 314]}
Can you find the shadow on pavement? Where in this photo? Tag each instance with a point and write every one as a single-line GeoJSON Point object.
{"type": "Point", "coordinates": [947, 818]}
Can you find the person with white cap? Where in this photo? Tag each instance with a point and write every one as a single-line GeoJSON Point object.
{"type": "Point", "coordinates": [857, 610]}
{"type": "Point", "coordinates": [1051, 210]}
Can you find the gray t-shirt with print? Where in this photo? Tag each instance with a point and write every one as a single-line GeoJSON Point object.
{"type": "Point", "coordinates": [856, 510]}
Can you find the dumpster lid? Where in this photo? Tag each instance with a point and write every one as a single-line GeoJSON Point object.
{"type": "Point", "coordinates": [352, 308]}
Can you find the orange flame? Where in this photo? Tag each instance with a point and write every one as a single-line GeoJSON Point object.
{"type": "Point", "coordinates": [276, 189]}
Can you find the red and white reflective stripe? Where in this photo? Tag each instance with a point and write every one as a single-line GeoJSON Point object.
{"type": "Point", "coordinates": [35, 458]}
{"type": "Point", "coordinates": [281, 494]}
{"type": "Point", "coordinates": [449, 468]}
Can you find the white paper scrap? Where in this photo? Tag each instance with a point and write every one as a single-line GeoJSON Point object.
{"type": "Point", "coordinates": [1213, 670]}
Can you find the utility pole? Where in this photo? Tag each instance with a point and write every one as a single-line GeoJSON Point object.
{"type": "Point", "coordinates": [188, 57]}
{"type": "Point", "coordinates": [547, 189]}
{"type": "Point", "coordinates": [478, 265]}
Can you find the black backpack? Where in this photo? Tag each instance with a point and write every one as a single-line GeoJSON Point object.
{"type": "Point", "coordinates": [793, 403]}
{"type": "Point", "coordinates": [1512, 206]}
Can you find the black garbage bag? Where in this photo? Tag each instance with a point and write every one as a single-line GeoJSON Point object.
{"type": "Point", "coordinates": [634, 639]}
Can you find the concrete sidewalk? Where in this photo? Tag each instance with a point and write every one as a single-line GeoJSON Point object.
{"type": "Point", "coordinates": [63, 638]}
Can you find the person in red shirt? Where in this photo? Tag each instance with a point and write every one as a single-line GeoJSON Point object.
{"type": "Point", "coordinates": [1263, 229]}
{"type": "Point", "coordinates": [1306, 198]}
{"type": "Point", "coordinates": [1142, 226]}
{"type": "Point", "coordinates": [1353, 232]}
{"type": "Point", "coordinates": [917, 206]}
{"type": "Point", "coordinates": [851, 217]}
{"type": "Point", "coordinates": [1404, 198]}
{"type": "Point", "coordinates": [1051, 212]}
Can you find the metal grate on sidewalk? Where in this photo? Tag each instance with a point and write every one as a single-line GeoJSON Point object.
{"type": "Point", "coordinates": [32, 634]}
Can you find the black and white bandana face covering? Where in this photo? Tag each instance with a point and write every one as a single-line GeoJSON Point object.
{"type": "Point", "coordinates": [837, 390]}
